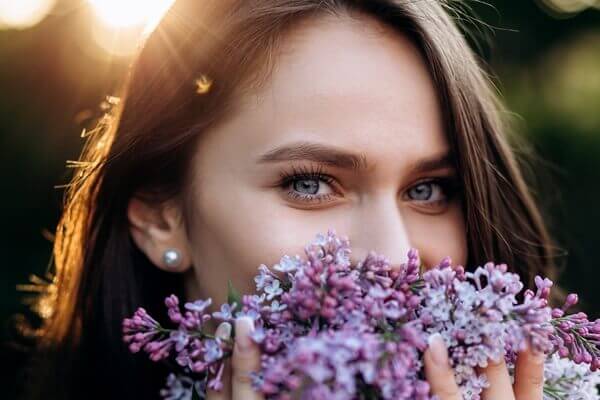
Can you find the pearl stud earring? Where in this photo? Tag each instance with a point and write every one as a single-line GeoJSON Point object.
{"type": "Point", "coordinates": [172, 257]}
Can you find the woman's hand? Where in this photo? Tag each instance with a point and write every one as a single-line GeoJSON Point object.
{"type": "Point", "coordinates": [245, 359]}
{"type": "Point", "coordinates": [529, 375]}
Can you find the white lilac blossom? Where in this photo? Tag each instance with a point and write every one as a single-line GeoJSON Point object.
{"type": "Point", "coordinates": [564, 379]}
{"type": "Point", "coordinates": [226, 312]}
{"type": "Point", "coordinates": [328, 329]}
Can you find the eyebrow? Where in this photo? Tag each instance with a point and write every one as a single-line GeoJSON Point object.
{"type": "Point", "coordinates": [336, 157]}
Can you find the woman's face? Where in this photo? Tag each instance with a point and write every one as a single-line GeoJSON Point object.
{"type": "Point", "coordinates": [349, 99]}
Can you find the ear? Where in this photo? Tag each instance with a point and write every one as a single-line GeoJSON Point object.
{"type": "Point", "coordinates": [157, 228]}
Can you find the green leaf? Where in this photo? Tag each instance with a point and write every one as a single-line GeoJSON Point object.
{"type": "Point", "coordinates": [232, 294]}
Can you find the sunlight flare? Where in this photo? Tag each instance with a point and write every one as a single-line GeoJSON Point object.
{"type": "Point", "coordinates": [124, 14]}
{"type": "Point", "coordinates": [22, 14]}
{"type": "Point", "coordinates": [123, 24]}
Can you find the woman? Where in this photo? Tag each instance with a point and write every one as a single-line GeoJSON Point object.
{"type": "Point", "coordinates": [246, 127]}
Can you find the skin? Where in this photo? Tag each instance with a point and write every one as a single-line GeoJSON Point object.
{"type": "Point", "coordinates": [346, 82]}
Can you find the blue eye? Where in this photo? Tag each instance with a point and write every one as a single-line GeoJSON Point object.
{"type": "Point", "coordinates": [422, 191]}
{"type": "Point", "coordinates": [309, 185]}
{"type": "Point", "coordinates": [439, 190]}
{"type": "Point", "coordinates": [305, 184]}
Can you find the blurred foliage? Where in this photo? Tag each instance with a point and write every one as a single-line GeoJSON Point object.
{"type": "Point", "coordinates": [53, 78]}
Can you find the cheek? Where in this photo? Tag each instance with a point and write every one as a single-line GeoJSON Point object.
{"type": "Point", "coordinates": [439, 236]}
{"type": "Point", "coordinates": [241, 228]}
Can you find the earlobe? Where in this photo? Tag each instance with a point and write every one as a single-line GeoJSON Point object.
{"type": "Point", "coordinates": [158, 233]}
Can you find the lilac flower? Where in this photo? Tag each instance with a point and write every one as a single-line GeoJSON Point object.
{"type": "Point", "coordinates": [226, 312]}
{"type": "Point", "coordinates": [248, 313]}
{"type": "Point", "coordinates": [180, 338]}
{"type": "Point", "coordinates": [140, 330]}
{"type": "Point", "coordinates": [212, 350]}
{"type": "Point", "coordinates": [564, 379]}
{"type": "Point", "coordinates": [331, 330]}
{"type": "Point", "coordinates": [575, 336]}
{"type": "Point", "coordinates": [275, 307]}
{"type": "Point", "coordinates": [339, 365]}
{"type": "Point", "coordinates": [273, 289]}
{"type": "Point", "coordinates": [216, 383]}
{"type": "Point", "coordinates": [198, 306]}
{"type": "Point", "coordinates": [172, 303]}
{"type": "Point", "coordinates": [287, 264]}
{"type": "Point", "coordinates": [477, 315]}
{"type": "Point", "coordinates": [194, 349]}
{"type": "Point", "coordinates": [264, 277]}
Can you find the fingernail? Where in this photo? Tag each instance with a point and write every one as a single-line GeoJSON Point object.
{"type": "Point", "coordinates": [243, 328]}
{"type": "Point", "coordinates": [223, 331]}
{"type": "Point", "coordinates": [439, 353]}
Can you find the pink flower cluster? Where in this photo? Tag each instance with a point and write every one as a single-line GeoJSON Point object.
{"type": "Point", "coordinates": [196, 351]}
{"type": "Point", "coordinates": [331, 330]}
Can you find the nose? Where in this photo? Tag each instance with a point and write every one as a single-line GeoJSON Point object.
{"type": "Point", "coordinates": [379, 227]}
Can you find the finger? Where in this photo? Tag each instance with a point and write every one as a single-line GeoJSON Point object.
{"type": "Point", "coordinates": [245, 359]}
{"type": "Point", "coordinates": [224, 332]}
{"type": "Point", "coordinates": [500, 387]}
{"type": "Point", "coordinates": [529, 375]}
{"type": "Point", "coordinates": [438, 371]}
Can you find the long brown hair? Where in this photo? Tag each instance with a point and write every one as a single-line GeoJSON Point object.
{"type": "Point", "coordinates": [186, 78]}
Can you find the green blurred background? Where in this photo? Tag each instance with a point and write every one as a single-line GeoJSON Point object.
{"type": "Point", "coordinates": [59, 59]}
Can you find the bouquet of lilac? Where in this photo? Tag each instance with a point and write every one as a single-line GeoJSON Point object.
{"type": "Point", "coordinates": [331, 330]}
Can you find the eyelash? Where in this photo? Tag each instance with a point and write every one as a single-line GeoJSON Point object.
{"type": "Point", "coordinates": [301, 173]}
{"type": "Point", "coordinates": [449, 185]}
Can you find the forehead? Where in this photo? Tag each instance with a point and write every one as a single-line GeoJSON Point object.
{"type": "Point", "coordinates": [353, 83]}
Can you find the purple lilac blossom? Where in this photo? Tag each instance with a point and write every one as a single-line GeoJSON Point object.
{"type": "Point", "coordinates": [478, 316]}
{"type": "Point", "coordinates": [331, 330]}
